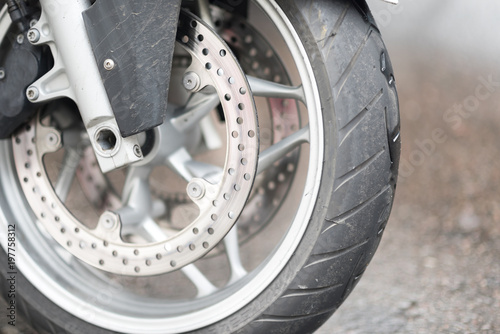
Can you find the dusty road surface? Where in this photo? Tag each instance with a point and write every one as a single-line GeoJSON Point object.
{"type": "Point", "coordinates": [438, 267]}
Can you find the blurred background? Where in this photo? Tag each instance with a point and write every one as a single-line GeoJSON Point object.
{"type": "Point", "coordinates": [438, 267]}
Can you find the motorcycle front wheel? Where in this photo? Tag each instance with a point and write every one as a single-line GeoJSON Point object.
{"type": "Point", "coordinates": [328, 133]}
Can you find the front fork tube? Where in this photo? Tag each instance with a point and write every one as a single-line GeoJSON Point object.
{"type": "Point", "coordinates": [75, 75]}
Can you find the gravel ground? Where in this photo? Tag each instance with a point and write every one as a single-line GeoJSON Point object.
{"type": "Point", "coordinates": [437, 269]}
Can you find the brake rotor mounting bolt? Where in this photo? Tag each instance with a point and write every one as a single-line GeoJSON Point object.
{"type": "Point", "coordinates": [32, 94]}
{"type": "Point", "coordinates": [191, 81]}
{"type": "Point", "coordinates": [108, 220]}
{"type": "Point", "coordinates": [196, 190]}
{"type": "Point", "coordinates": [52, 139]}
{"type": "Point", "coordinates": [33, 35]}
{"type": "Point", "coordinates": [137, 151]}
{"type": "Point", "coordinates": [2, 74]}
{"type": "Point", "coordinates": [109, 64]}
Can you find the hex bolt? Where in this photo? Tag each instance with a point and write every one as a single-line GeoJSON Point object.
{"type": "Point", "coordinates": [191, 81]}
{"type": "Point", "coordinates": [33, 22]}
{"type": "Point", "coordinates": [32, 94]}
{"type": "Point", "coordinates": [2, 73]}
{"type": "Point", "coordinates": [20, 39]}
{"type": "Point", "coordinates": [196, 190]}
{"type": "Point", "coordinates": [33, 35]}
{"type": "Point", "coordinates": [137, 151]}
{"type": "Point", "coordinates": [109, 64]}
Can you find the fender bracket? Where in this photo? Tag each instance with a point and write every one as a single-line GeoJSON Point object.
{"type": "Point", "coordinates": [133, 43]}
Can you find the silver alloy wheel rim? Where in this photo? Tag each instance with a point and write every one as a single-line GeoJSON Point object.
{"type": "Point", "coordinates": [40, 264]}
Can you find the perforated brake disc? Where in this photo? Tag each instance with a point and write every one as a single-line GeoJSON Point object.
{"type": "Point", "coordinates": [219, 204]}
{"type": "Point", "coordinates": [278, 120]}
{"type": "Point", "coordinates": [259, 58]}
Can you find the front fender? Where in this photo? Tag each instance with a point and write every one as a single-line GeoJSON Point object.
{"type": "Point", "coordinates": [136, 39]}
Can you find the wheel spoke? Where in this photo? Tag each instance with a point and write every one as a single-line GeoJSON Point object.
{"type": "Point", "coordinates": [138, 205]}
{"type": "Point", "coordinates": [135, 176]}
{"type": "Point", "coordinates": [265, 88]}
{"type": "Point", "coordinates": [183, 164]}
{"type": "Point", "coordinates": [209, 172]}
{"type": "Point", "coordinates": [67, 173]}
{"type": "Point", "coordinates": [177, 162]}
{"type": "Point", "coordinates": [198, 106]}
{"type": "Point", "coordinates": [233, 255]}
{"type": "Point", "coordinates": [205, 12]}
{"type": "Point", "coordinates": [203, 285]}
{"type": "Point", "coordinates": [210, 133]}
{"type": "Point", "coordinates": [282, 148]}
{"type": "Point", "coordinates": [152, 232]}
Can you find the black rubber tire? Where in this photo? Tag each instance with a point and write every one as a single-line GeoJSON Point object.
{"type": "Point", "coordinates": [362, 147]}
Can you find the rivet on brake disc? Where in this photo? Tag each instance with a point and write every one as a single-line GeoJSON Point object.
{"type": "Point", "coordinates": [191, 81]}
{"type": "Point", "coordinates": [108, 220]}
{"type": "Point", "coordinates": [196, 190]}
{"type": "Point", "coordinates": [52, 139]}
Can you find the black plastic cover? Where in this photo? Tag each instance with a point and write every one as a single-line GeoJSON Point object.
{"type": "Point", "coordinates": [139, 37]}
{"type": "Point", "coordinates": [22, 65]}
